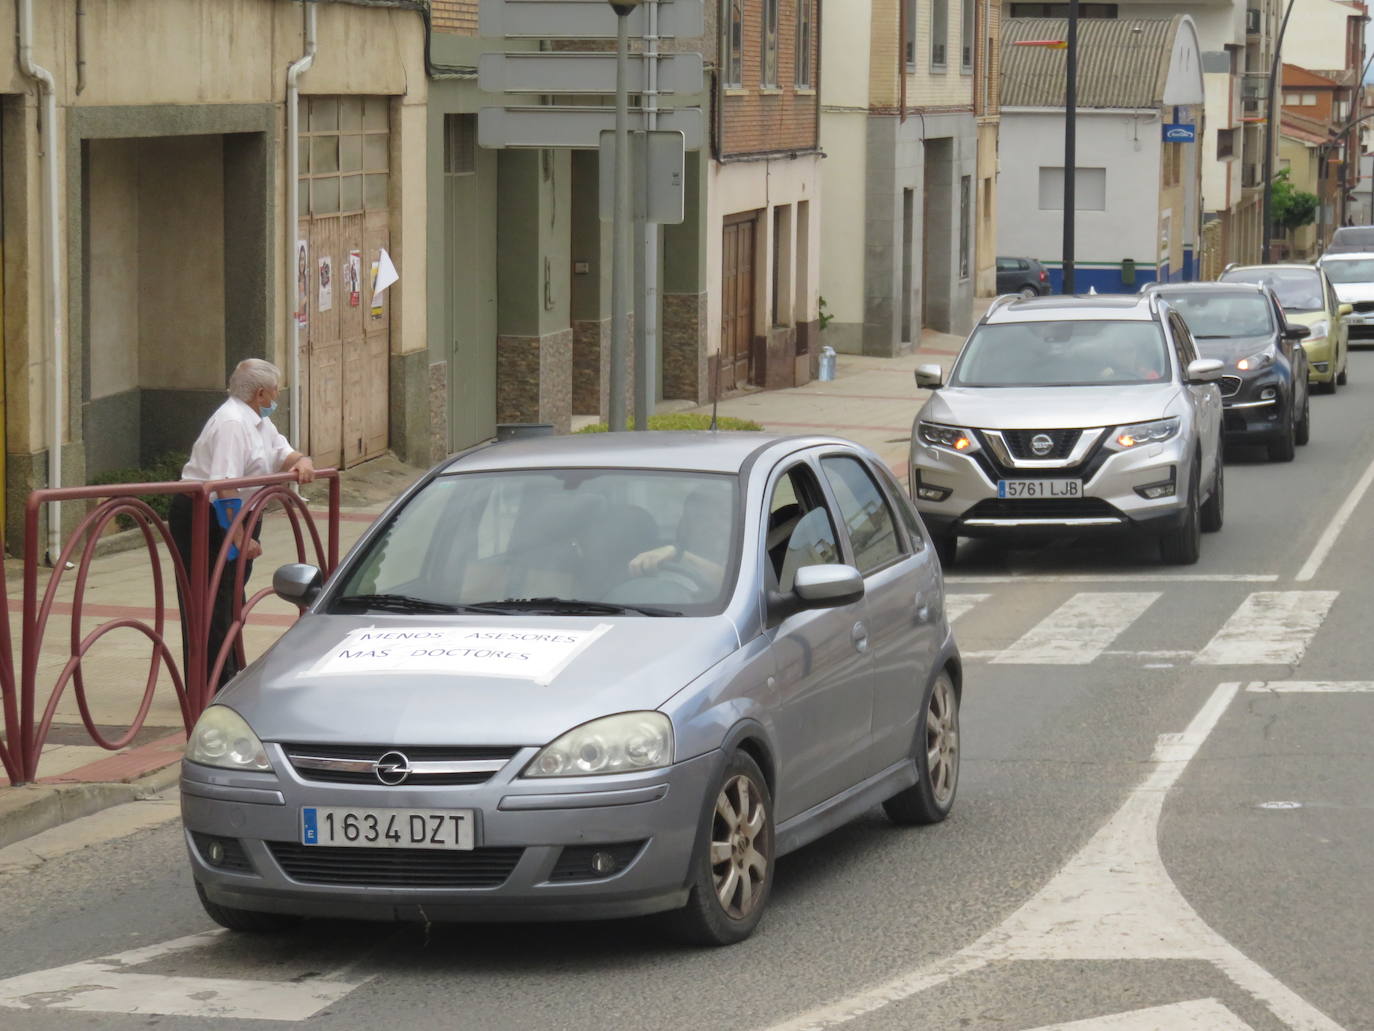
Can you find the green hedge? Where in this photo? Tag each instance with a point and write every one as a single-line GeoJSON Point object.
{"type": "Point", "coordinates": [683, 421]}
{"type": "Point", "coordinates": [163, 469]}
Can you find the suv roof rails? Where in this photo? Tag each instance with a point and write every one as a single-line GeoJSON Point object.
{"type": "Point", "coordinates": [1001, 301]}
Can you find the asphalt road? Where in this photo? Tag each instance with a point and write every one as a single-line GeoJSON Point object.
{"type": "Point", "coordinates": [1169, 826]}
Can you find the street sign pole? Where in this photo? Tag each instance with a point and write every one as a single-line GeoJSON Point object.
{"type": "Point", "coordinates": [1070, 144]}
{"type": "Point", "coordinates": [646, 243]}
{"type": "Point", "coordinates": [620, 223]}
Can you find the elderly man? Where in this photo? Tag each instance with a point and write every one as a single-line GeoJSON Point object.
{"type": "Point", "coordinates": [239, 440]}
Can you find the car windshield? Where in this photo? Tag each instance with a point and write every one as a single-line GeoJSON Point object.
{"type": "Point", "coordinates": [1354, 236]}
{"type": "Point", "coordinates": [1349, 270]}
{"type": "Point", "coordinates": [1077, 353]}
{"type": "Point", "coordinates": [1298, 289]}
{"type": "Point", "coordinates": [577, 541]}
{"type": "Point", "coordinates": [1218, 315]}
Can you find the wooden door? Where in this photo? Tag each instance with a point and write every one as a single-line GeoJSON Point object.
{"type": "Point", "coordinates": [323, 346]}
{"type": "Point", "coordinates": [737, 299]}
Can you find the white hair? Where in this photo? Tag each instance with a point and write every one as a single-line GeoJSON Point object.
{"type": "Point", "coordinates": [252, 375]}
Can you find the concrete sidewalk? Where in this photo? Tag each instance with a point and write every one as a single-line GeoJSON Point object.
{"type": "Point", "coordinates": [871, 401]}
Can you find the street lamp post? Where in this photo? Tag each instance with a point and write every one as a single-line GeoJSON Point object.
{"type": "Point", "coordinates": [1266, 215]}
{"type": "Point", "coordinates": [1070, 144]}
{"type": "Point", "coordinates": [620, 222]}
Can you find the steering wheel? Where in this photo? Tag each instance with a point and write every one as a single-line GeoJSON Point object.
{"type": "Point", "coordinates": [680, 573]}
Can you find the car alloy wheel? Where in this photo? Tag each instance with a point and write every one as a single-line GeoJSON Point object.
{"type": "Point", "coordinates": [1182, 545]}
{"type": "Point", "coordinates": [1214, 509]}
{"type": "Point", "coordinates": [1029, 291]}
{"type": "Point", "coordinates": [936, 754]}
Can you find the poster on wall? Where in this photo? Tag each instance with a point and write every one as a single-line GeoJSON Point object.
{"type": "Point", "coordinates": [302, 283]}
{"type": "Point", "coordinates": [353, 278]}
{"type": "Point", "coordinates": [326, 284]}
{"type": "Point", "coordinates": [378, 298]}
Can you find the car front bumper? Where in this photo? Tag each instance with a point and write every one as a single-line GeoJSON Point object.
{"type": "Point", "coordinates": [1249, 417]}
{"type": "Point", "coordinates": [1360, 325]}
{"type": "Point", "coordinates": [1321, 359]}
{"type": "Point", "coordinates": [1110, 503]}
{"type": "Point", "coordinates": [648, 821]}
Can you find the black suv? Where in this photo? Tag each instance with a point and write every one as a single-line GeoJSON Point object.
{"type": "Point", "coordinates": [1264, 388]}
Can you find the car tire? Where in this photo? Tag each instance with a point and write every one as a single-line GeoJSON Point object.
{"type": "Point", "coordinates": [1029, 292]}
{"type": "Point", "coordinates": [1281, 447]}
{"type": "Point", "coordinates": [1214, 509]}
{"type": "Point", "coordinates": [247, 920]}
{"type": "Point", "coordinates": [946, 548]}
{"type": "Point", "coordinates": [1329, 387]}
{"type": "Point", "coordinates": [936, 754]}
{"type": "Point", "coordinates": [1303, 433]}
{"type": "Point", "coordinates": [1182, 546]}
{"type": "Point", "coordinates": [1344, 376]}
{"type": "Point", "coordinates": [732, 865]}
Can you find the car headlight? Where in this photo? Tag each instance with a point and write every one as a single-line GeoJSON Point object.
{"type": "Point", "coordinates": [1153, 432]}
{"type": "Point", "coordinates": [1256, 361]}
{"type": "Point", "coordinates": [1318, 333]}
{"type": "Point", "coordinates": [952, 438]}
{"type": "Point", "coordinates": [625, 743]}
{"type": "Point", "coordinates": [221, 737]}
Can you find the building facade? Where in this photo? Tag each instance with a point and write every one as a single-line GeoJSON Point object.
{"type": "Point", "coordinates": [902, 173]}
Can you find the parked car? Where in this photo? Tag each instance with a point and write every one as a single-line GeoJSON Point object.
{"type": "Point", "coordinates": [1308, 299]}
{"type": "Point", "coordinates": [584, 676]}
{"type": "Point", "coordinates": [1264, 390]}
{"type": "Point", "coordinates": [1349, 239]}
{"type": "Point", "coordinates": [1072, 415]}
{"type": "Point", "coordinates": [1352, 277]}
{"type": "Point", "coordinates": [1024, 276]}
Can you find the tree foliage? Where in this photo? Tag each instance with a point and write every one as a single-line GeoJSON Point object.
{"type": "Point", "coordinates": [1292, 208]}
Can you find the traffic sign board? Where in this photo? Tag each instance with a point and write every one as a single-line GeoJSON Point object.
{"type": "Point", "coordinates": [576, 127]}
{"type": "Point", "coordinates": [555, 72]}
{"type": "Point", "coordinates": [585, 19]}
{"type": "Point", "coordinates": [656, 186]}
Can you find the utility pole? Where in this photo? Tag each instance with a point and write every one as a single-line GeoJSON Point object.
{"type": "Point", "coordinates": [620, 223]}
{"type": "Point", "coordinates": [1070, 144]}
{"type": "Point", "coordinates": [1267, 218]}
{"type": "Point", "coordinates": [646, 241]}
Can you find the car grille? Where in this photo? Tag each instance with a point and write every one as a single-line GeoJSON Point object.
{"type": "Point", "coordinates": [1019, 442]}
{"type": "Point", "coordinates": [395, 867]}
{"type": "Point", "coordinates": [1042, 508]}
{"type": "Point", "coordinates": [367, 754]}
{"type": "Point", "coordinates": [1230, 385]}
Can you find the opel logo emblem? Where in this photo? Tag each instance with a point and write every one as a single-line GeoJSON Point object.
{"type": "Point", "coordinates": [1042, 444]}
{"type": "Point", "coordinates": [392, 768]}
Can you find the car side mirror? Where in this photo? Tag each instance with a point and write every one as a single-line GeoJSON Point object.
{"type": "Point", "coordinates": [1363, 306]}
{"type": "Point", "coordinates": [929, 377]}
{"type": "Point", "coordinates": [817, 587]}
{"type": "Point", "coordinates": [297, 583]}
{"type": "Point", "coordinates": [1344, 309]}
{"type": "Point", "coordinates": [1292, 332]}
{"type": "Point", "coordinates": [1205, 370]}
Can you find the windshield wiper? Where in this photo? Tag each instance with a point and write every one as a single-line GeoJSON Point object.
{"type": "Point", "coordinates": [567, 606]}
{"type": "Point", "coordinates": [1211, 336]}
{"type": "Point", "coordinates": [398, 602]}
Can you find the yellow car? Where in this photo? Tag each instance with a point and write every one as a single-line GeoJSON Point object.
{"type": "Point", "coordinates": [1309, 300]}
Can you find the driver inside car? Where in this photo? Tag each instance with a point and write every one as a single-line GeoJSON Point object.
{"type": "Point", "coordinates": [700, 548]}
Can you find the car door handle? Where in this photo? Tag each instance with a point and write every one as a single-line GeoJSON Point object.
{"type": "Point", "coordinates": [860, 636]}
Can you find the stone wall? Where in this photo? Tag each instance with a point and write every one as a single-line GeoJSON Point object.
{"type": "Point", "coordinates": [534, 379]}
{"type": "Point", "coordinates": [685, 372]}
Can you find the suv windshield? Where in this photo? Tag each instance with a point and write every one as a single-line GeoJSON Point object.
{"type": "Point", "coordinates": [1354, 236]}
{"type": "Point", "coordinates": [552, 537]}
{"type": "Point", "coordinates": [1219, 315]}
{"type": "Point", "coordinates": [1070, 353]}
{"type": "Point", "coordinates": [1349, 270]}
{"type": "Point", "coordinates": [1298, 289]}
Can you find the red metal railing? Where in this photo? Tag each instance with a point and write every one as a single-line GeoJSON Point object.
{"type": "Point", "coordinates": [24, 736]}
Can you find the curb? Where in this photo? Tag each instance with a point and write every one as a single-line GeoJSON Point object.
{"type": "Point", "coordinates": [34, 808]}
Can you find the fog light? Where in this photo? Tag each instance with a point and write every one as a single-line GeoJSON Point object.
{"type": "Point", "coordinates": [1163, 489]}
{"type": "Point", "coordinates": [1321, 366]}
{"type": "Point", "coordinates": [214, 853]}
{"type": "Point", "coordinates": [1268, 394]}
{"type": "Point", "coordinates": [603, 863]}
{"type": "Point", "coordinates": [930, 492]}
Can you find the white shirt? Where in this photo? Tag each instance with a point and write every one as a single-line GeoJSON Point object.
{"type": "Point", "coordinates": [236, 442]}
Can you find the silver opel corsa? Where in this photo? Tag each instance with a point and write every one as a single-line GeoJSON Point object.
{"type": "Point", "coordinates": [1071, 415]}
{"type": "Point", "coordinates": [589, 676]}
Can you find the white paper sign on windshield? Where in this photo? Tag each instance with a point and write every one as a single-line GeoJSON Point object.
{"type": "Point", "coordinates": [528, 653]}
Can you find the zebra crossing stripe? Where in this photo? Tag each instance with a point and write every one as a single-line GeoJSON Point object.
{"type": "Point", "coordinates": [957, 604]}
{"type": "Point", "coordinates": [1312, 686]}
{"type": "Point", "coordinates": [1269, 628]}
{"type": "Point", "coordinates": [1078, 631]}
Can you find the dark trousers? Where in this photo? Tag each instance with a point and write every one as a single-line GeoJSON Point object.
{"type": "Point", "coordinates": [222, 612]}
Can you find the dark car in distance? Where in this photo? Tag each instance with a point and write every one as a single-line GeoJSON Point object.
{"type": "Point", "coordinates": [1264, 386]}
{"type": "Point", "coordinates": [1024, 276]}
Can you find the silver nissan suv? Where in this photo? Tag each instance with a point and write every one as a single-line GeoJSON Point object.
{"type": "Point", "coordinates": [1071, 415]}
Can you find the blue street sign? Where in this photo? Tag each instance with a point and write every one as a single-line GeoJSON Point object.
{"type": "Point", "coordinates": [1179, 132]}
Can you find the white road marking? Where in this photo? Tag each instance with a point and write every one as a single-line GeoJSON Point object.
{"type": "Point", "coordinates": [973, 579]}
{"type": "Point", "coordinates": [107, 985]}
{"type": "Point", "coordinates": [1114, 900]}
{"type": "Point", "coordinates": [1079, 630]}
{"type": "Point", "coordinates": [1198, 1015]}
{"type": "Point", "coordinates": [958, 604]}
{"type": "Point", "coordinates": [1312, 686]}
{"type": "Point", "coordinates": [1269, 628]}
{"type": "Point", "coordinates": [1333, 529]}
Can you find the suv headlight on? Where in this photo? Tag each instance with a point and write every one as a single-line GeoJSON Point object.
{"type": "Point", "coordinates": [221, 737]}
{"type": "Point", "coordinates": [1155, 431]}
{"type": "Point", "coordinates": [951, 438]}
{"type": "Point", "coordinates": [625, 743]}
{"type": "Point", "coordinates": [1319, 332]}
{"type": "Point", "coordinates": [1256, 361]}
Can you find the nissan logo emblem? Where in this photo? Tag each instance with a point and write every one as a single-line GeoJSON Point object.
{"type": "Point", "coordinates": [1042, 444]}
{"type": "Point", "coordinates": [392, 768]}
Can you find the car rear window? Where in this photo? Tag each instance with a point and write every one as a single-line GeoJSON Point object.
{"type": "Point", "coordinates": [1069, 353]}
